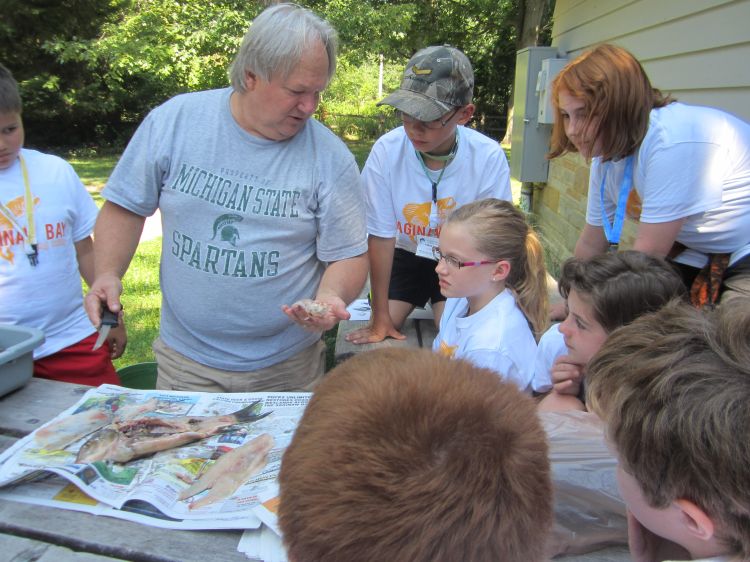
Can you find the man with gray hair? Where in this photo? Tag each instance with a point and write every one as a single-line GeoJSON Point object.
{"type": "Point", "coordinates": [261, 205]}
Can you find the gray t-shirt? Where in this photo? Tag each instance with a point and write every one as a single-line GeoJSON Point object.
{"type": "Point", "coordinates": [248, 224]}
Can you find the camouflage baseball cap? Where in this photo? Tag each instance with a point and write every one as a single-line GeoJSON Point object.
{"type": "Point", "coordinates": [436, 80]}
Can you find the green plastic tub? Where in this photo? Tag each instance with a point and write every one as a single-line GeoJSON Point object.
{"type": "Point", "coordinates": [140, 375]}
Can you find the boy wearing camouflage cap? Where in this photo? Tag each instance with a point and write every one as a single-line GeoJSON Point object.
{"type": "Point", "coordinates": [414, 177]}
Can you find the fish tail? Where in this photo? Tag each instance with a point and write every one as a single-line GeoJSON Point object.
{"type": "Point", "coordinates": [250, 413]}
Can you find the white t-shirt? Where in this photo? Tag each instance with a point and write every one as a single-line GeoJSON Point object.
{"type": "Point", "coordinates": [551, 346]}
{"type": "Point", "coordinates": [49, 296]}
{"type": "Point", "coordinates": [694, 162]}
{"type": "Point", "coordinates": [399, 195]}
{"type": "Point", "coordinates": [497, 337]}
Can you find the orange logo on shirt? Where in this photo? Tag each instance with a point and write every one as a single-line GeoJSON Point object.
{"type": "Point", "coordinates": [447, 350]}
{"type": "Point", "coordinates": [418, 216]}
{"type": "Point", "coordinates": [9, 236]}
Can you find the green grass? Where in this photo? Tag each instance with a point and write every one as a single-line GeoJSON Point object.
{"type": "Point", "coordinates": [141, 301]}
{"type": "Point", "coordinates": [94, 171]}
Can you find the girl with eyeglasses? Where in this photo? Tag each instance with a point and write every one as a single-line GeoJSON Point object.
{"type": "Point", "coordinates": [491, 271]}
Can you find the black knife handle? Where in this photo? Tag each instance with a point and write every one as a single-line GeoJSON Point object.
{"type": "Point", "coordinates": [109, 318]}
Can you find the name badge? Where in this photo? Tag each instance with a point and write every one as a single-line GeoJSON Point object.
{"type": "Point", "coordinates": [425, 244]}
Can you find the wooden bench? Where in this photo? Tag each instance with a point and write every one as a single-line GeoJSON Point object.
{"type": "Point", "coordinates": [419, 329]}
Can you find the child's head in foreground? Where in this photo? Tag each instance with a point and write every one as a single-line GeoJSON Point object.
{"type": "Point", "coordinates": [609, 291]}
{"type": "Point", "coordinates": [11, 126]}
{"type": "Point", "coordinates": [406, 455]}
{"type": "Point", "coordinates": [674, 390]}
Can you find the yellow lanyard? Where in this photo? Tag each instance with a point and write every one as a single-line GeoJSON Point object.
{"type": "Point", "coordinates": [29, 236]}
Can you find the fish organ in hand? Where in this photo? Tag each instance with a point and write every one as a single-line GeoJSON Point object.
{"type": "Point", "coordinates": [131, 439]}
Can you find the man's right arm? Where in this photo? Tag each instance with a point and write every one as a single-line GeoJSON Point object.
{"type": "Point", "coordinates": [116, 237]}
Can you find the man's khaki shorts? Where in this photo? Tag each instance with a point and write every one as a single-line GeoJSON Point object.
{"type": "Point", "coordinates": [299, 373]}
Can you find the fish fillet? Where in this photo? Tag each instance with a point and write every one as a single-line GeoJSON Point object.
{"type": "Point", "coordinates": [232, 470]}
{"type": "Point", "coordinates": [61, 433]}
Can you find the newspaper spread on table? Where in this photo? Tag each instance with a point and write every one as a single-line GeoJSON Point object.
{"type": "Point", "coordinates": [41, 467]}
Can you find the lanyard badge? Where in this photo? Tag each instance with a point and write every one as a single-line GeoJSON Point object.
{"type": "Point", "coordinates": [29, 236]}
{"type": "Point", "coordinates": [614, 230]}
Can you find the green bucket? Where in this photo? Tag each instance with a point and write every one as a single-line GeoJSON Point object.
{"type": "Point", "coordinates": [140, 375]}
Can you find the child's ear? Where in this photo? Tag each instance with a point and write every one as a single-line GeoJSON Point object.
{"type": "Point", "coordinates": [466, 113]}
{"type": "Point", "coordinates": [501, 271]}
{"type": "Point", "coordinates": [695, 520]}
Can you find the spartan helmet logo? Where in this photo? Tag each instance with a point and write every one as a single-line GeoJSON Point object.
{"type": "Point", "coordinates": [224, 227]}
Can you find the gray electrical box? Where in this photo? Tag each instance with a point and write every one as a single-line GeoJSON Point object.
{"type": "Point", "coordinates": [530, 138]}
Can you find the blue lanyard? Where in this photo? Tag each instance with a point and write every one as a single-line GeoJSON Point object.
{"type": "Point", "coordinates": [613, 231]}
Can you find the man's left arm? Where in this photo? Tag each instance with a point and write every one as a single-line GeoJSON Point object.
{"type": "Point", "coordinates": [341, 283]}
{"type": "Point", "coordinates": [343, 280]}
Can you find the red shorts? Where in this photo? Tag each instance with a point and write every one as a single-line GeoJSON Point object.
{"type": "Point", "coordinates": [79, 364]}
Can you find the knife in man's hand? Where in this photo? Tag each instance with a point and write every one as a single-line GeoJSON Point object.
{"type": "Point", "coordinates": [109, 319]}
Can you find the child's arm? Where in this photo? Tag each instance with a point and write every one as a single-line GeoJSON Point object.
{"type": "Point", "coordinates": [85, 257]}
{"type": "Point", "coordinates": [566, 385]}
{"type": "Point", "coordinates": [380, 252]}
{"type": "Point", "coordinates": [566, 376]}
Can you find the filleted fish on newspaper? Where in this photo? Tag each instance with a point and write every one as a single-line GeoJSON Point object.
{"type": "Point", "coordinates": [176, 456]}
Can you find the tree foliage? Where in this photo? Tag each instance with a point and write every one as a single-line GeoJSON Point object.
{"type": "Point", "coordinates": [94, 68]}
{"type": "Point", "coordinates": [486, 30]}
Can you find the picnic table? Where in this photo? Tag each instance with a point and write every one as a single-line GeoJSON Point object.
{"type": "Point", "coordinates": [33, 532]}
{"type": "Point", "coordinates": [46, 534]}
{"type": "Point", "coordinates": [419, 329]}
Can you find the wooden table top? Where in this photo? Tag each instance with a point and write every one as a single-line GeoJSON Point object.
{"type": "Point", "coordinates": [32, 532]}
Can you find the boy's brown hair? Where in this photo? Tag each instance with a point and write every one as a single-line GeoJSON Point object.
{"type": "Point", "coordinates": [618, 97]}
{"type": "Point", "coordinates": [621, 286]}
{"type": "Point", "coordinates": [674, 389]}
{"type": "Point", "coordinates": [10, 99]}
{"type": "Point", "coordinates": [406, 455]}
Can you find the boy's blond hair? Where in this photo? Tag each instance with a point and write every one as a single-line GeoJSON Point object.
{"type": "Point", "coordinates": [406, 455]}
{"type": "Point", "coordinates": [674, 389]}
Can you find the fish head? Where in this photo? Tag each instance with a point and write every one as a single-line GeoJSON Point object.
{"type": "Point", "coordinates": [99, 446]}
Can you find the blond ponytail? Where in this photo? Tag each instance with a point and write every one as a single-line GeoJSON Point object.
{"type": "Point", "coordinates": [502, 233]}
{"type": "Point", "coordinates": [531, 286]}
